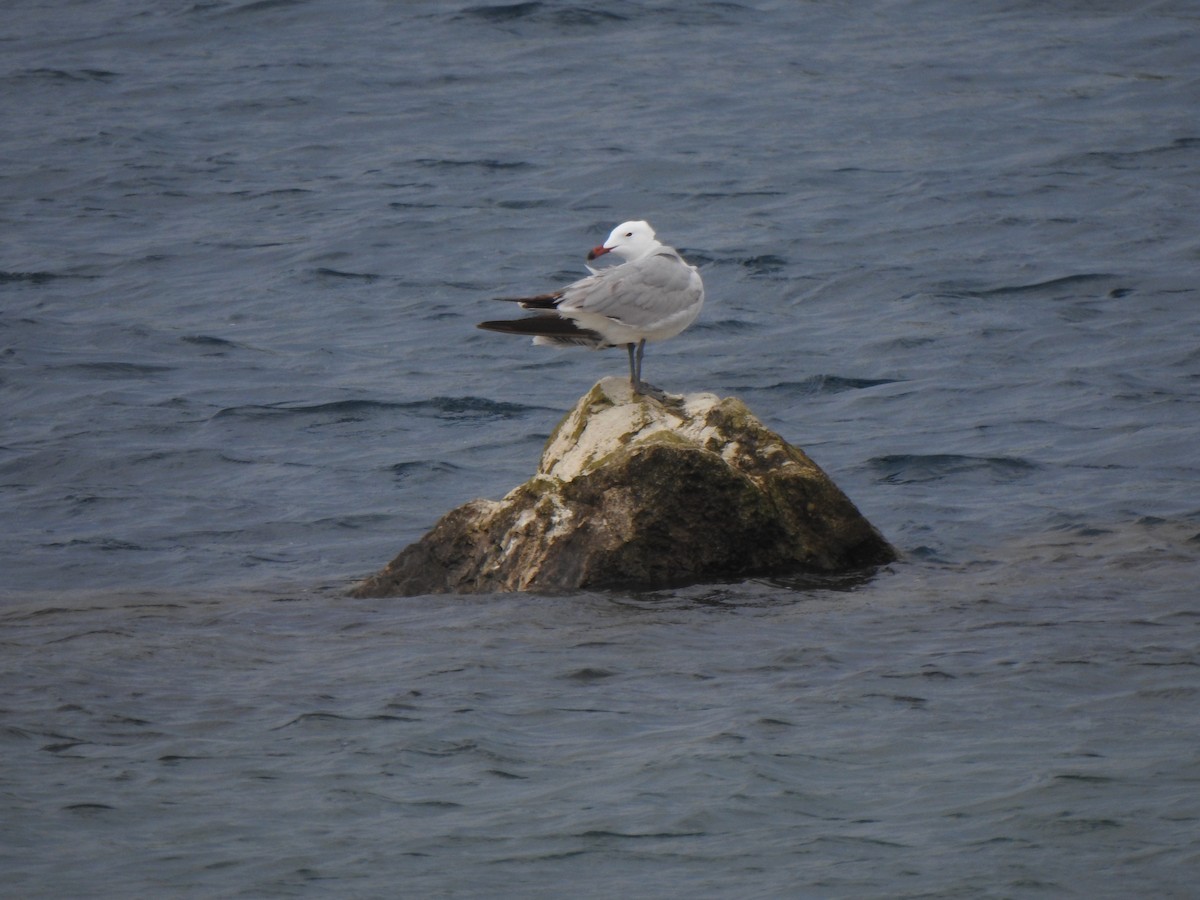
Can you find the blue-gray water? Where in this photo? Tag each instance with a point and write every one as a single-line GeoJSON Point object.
{"type": "Point", "coordinates": [951, 249]}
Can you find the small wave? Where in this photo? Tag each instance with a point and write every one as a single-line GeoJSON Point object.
{"type": "Point", "coordinates": [216, 346]}
{"type": "Point", "coordinates": [709, 196]}
{"type": "Point", "coordinates": [106, 544]}
{"type": "Point", "coordinates": [604, 833]}
{"type": "Point", "coordinates": [446, 749]}
{"type": "Point", "coordinates": [768, 264]}
{"type": "Point", "coordinates": [204, 340]}
{"type": "Point", "coordinates": [1053, 285]}
{"type": "Point", "coordinates": [324, 272]}
{"type": "Point", "coordinates": [700, 259]}
{"type": "Point", "coordinates": [1124, 159]}
{"type": "Point", "coordinates": [537, 11]}
{"type": "Point", "coordinates": [828, 384]}
{"type": "Point", "coordinates": [504, 12]}
{"type": "Point", "coordinates": [28, 277]}
{"type": "Point", "coordinates": [117, 369]}
{"type": "Point", "coordinates": [491, 165]}
{"type": "Point", "coordinates": [451, 408]}
{"type": "Point", "coordinates": [501, 773]}
{"type": "Point", "coordinates": [469, 408]}
{"type": "Point", "coordinates": [63, 75]}
{"type": "Point", "coordinates": [261, 6]}
{"type": "Point", "coordinates": [92, 633]}
{"type": "Point", "coordinates": [526, 204]}
{"type": "Point", "coordinates": [350, 409]}
{"type": "Point", "coordinates": [916, 468]}
{"type": "Point", "coordinates": [324, 717]}
{"type": "Point", "coordinates": [405, 470]}
{"type": "Point", "coordinates": [724, 326]}
{"type": "Point", "coordinates": [589, 674]}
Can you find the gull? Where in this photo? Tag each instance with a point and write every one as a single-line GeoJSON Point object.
{"type": "Point", "coordinates": [651, 296]}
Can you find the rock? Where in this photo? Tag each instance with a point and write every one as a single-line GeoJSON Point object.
{"type": "Point", "coordinates": [634, 492]}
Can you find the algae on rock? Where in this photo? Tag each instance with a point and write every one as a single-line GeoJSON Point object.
{"type": "Point", "coordinates": [635, 492]}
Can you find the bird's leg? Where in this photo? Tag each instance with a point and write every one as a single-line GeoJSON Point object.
{"type": "Point", "coordinates": [635, 366]}
{"type": "Point", "coordinates": [635, 373]}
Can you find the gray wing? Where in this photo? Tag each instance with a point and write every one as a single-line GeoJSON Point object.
{"type": "Point", "coordinates": [639, 293]}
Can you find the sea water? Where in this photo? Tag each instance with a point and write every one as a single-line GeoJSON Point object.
{"type": "Point", "coordinates": [950, 249]}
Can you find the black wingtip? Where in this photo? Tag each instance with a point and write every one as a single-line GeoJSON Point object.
{"type": "Point", "coordinates": [541, 301]}
{"type": "Point", "coordinates": [494, 326]}
{"type": "Point", "coordinates": [554, 327]}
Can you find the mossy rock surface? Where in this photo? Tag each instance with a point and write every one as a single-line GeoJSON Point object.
{"type": "Point", "coordinates": [634, 492]}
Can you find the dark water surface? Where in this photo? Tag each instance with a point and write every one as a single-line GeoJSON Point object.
{"type": "Point", "coordinates": [951, 249]}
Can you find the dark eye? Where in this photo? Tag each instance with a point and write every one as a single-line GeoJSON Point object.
{"type": "Point", "coordinates": [629, 234]}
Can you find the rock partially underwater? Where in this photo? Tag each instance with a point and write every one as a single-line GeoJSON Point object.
{"type": "Point", "coordinates": [633, 492]}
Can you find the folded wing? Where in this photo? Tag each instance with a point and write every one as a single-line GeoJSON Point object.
{"type": "Point", "coordinates": [547, 329]}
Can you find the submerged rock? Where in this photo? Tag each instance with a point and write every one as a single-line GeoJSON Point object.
{"type": "Point", "coordinates": [636, 492]}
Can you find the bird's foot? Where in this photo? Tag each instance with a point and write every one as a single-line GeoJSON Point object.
{"type": "Point", "coordinates": [643, 389]}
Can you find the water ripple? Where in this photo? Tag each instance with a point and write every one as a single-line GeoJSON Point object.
{"type": "Point", "coordinates": [451, 408]}
{"type": "Point", "coordinates": [915, 468]}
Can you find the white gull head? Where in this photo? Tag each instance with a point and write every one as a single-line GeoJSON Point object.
{"type": "Point", "coordinates": [629, 240]}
